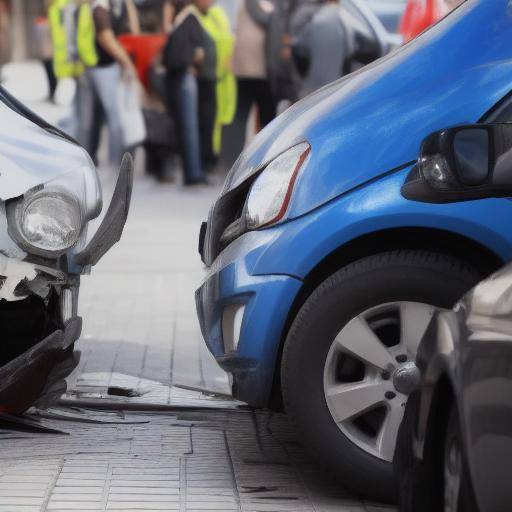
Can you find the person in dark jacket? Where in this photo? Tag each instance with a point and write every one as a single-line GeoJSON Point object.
{"type": "Point", "coordinates": [190, 61]}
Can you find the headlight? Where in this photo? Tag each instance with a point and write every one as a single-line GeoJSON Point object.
{"type": "Point", "coordinates": [46, 223]}
{"type": "Point", "coordinates": [270, 194]}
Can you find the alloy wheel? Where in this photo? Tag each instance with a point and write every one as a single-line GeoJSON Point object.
{"type": "Point", "coordinates": [370, 371]}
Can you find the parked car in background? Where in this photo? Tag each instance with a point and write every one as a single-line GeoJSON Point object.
{"type": "Point", "coordinates": [322, 278]}
{"type": "Point", "coordinates": [390, 13]}
{"type": "Point", "coordinates": [455, 444]}
{"type": "Point", "coordinates": [49, 193]}
{"type": "Point", "coordinates": [421, 14]}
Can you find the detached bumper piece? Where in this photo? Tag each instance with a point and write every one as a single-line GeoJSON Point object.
{"type": "Point", "coordinates": [112, 226]}
{"type": "Point", "coordinates": [36, 377]}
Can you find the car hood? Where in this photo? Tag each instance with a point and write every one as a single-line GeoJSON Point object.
{"type": "Point", "coordinates": [33, 156]}
{"type": "Point", "coordinates": [374, 120]}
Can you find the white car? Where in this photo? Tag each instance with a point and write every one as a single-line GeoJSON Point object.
{"type": "Point", "coordinates": [49, 193]}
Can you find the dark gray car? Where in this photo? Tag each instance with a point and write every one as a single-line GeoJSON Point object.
{"type": "Point", "coordinates": [454, 452]}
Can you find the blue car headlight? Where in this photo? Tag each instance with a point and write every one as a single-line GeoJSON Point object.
{"type": "Point", "coordinates": [271, 192]}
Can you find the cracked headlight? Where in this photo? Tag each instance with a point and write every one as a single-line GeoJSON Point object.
{"type": "Point", "coordinates": [271, 193]}
{"type": "Point", "coordinates": [46, 223]}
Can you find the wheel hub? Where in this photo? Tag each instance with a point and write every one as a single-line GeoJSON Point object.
{"type": "Point", "coordinates": [369, 373]}
{"type": "Point", "coordinates": [406, 378]}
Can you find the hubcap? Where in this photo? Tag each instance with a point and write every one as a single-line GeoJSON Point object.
{"type": "Point", "coordinates": [370, 371]}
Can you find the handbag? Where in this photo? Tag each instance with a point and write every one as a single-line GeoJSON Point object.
{"type": "Point", "coordinates": [130, 112]}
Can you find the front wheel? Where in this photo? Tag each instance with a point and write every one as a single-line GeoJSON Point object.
{"type": "Point", "coordinates": [347, 360]}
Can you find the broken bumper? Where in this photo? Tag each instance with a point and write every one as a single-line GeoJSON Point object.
{"type": "Point", "coordinates": [36, 376]}
{"type": "Point", "coordinates": [38, 311]}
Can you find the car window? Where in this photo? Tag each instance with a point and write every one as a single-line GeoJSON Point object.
{"type": "Point", "coordinates": [389, 12]}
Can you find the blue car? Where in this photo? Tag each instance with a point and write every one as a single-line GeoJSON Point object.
{"type": "Point", "coordinates": [322, 278]}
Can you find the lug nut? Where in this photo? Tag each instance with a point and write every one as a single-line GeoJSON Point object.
{"type": "Point", "coordinates": [401, 359]}
{"type": "Point", "coordinates": [389, 395]}
{"type": "Point", "coordinates": [385, 375]}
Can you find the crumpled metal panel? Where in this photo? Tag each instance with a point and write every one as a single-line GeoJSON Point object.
{"type": "Point", "coordinates": [33, 375]}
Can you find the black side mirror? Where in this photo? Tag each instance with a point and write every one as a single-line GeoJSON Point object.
{"type": "Point", "coordinates": [462, 164]}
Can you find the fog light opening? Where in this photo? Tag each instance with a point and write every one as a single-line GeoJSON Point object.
{"type": "Point", "coordinates": [232, 319]}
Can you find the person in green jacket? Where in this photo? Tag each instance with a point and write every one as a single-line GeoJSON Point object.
{"type": "Point", "coordinates": [216, 23]}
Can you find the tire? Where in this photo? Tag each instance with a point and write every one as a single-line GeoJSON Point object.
{"type": "Point", "coordinates": [422, 484]}
{"type": "Point", "coordinates": [457, 497]}
{"type": "Point", "coordinates": [391, 277]}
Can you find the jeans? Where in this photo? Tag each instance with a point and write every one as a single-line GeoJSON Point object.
{"type": "Point", "coordinates": [97, 93]}
{"type": "Point", "coordinates": [184, 106]}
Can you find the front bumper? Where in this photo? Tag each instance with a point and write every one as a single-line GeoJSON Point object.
{"type": "Point", "coordinates": [266, 302]}
{"type": "Point", "coordinates": [27, 377]}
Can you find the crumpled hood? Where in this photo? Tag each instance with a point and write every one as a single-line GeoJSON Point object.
{"type": "Point", "coordinates": [31, 156]}
{"type": "Point", "coordinates": [375, 120]}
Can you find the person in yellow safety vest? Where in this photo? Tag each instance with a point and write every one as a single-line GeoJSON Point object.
{"type": "Point", "coordinates": [73, 37]}
{"type": "Point", "coordinates": [216, 23]}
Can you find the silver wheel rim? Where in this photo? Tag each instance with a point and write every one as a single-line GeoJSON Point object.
{"type": "Point", "coordinates": [452, 475]}
{"type": "Point", "coordinates": [369, 372]}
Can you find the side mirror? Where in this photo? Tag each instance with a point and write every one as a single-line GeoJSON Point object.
{"type": "Point", "coordinates": [463, 164]}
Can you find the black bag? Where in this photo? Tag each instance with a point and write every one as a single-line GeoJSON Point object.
{"type": "Point", "coordinates": [160, 129]}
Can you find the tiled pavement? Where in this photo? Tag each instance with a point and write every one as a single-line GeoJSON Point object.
{"type": "Point", "coordinates": [177, 461]}
{"type": "Point", "coordinates": [141, 336]}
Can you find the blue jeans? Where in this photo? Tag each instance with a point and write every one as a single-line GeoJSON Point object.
{"type": "Point", "coordinates": [184, 105]}
{"type": "Point", "coordinates": [98, 94]}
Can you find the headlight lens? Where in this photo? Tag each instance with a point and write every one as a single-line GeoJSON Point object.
{"type": "Point", "coordinates": [270, 194]}
{"type": "Point", "coordinates": [49, 222]}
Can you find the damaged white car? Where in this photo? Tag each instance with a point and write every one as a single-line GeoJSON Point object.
{"type": "Point", "coordinates": [49, 193]}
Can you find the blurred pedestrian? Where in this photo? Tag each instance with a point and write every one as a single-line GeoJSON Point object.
{"type": "Point", "coordinates": [170, 9]}
{"type": "Point", "coordinates": [74, 48]}
{"type": "Point", "coordinates": [252, 70]}
{"type": "Point", "coordinates": [190, 61]}
{"type": "Point", "coordinates": [216, 23]}
{"type": "Point", "coordinates": [44, 47]}
{"type": "Point", "coordinates": [100, 82]}
{"type": "Point", "coordinates": [326, 43]}
{"type": "Point", "coordinates": [5, 33]}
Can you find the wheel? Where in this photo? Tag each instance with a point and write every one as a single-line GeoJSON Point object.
{"type": "Point", "coordinates": [347, 358]}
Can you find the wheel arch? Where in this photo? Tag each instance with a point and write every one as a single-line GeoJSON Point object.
{"type": "Point", "coordinates": [446, 242]}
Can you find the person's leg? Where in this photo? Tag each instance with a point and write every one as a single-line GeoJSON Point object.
{"type": "Point", "coordinates": [52, 80]}
{"type": "Point", "coordinates": [266, 102]}
{"type": "Point", "coordinates": [106, 82]}
{"type": "Point", "coordinates": [98, 120]}
{"type": "Point", "coordinates": [190, 126]}
{"type": "Point", "coordinates": [84, 108]}
{"type": "Point", "coordinates": [234, 134]}
{"type": "Point", "coordinates": [207, 114]}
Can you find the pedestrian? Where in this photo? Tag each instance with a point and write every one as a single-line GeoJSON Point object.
{"type": "Point", "coordinates": [45, 49]}
{"type": "Point", "coordinates": [170, 9]}
{"type": "Point", "coordinates": [74, 48]}
{"type": "Point", "coordinates": [190, 61]}
{"type": "Point", "coordinates": [100, 82]}
{"type": "Point", "coordinates": [216, 23]}
{"type": "Point", "coordinates": [5, 33]}
{"type": "Point", "coordinates": [252, 69]}
{"type": "Point", "coordinates": [326, 43]}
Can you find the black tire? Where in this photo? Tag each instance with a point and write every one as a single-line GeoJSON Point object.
{"type": "Point", "coordinates": [421, 483]}
{"type": "Point", "coordinates": [417, 276]}
{"type": "Point", "coordinates": [465, 498]}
